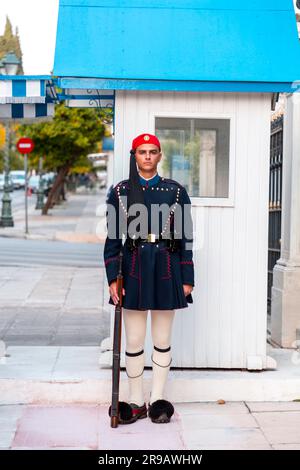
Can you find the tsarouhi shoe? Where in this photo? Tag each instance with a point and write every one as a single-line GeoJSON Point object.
{"type": "Point", "coordinates": [130, 412]}
{"type": "Point", "coordinates": [160, 411]}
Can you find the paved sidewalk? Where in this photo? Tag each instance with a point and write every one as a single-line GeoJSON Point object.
{"type": "Point", "coordinates": [58, 397]}
{"type": "Point", "coordinates": [79, 219]}
{"type": "Point", "coordinates": [53, 305]}
{"type": "Point", "coordinates": [54, 394]}
{"type": "Point", "coordinates": [237, 426]}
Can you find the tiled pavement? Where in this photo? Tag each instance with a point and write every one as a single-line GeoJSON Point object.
{"type": "Point", "coordinates": [233, 425]}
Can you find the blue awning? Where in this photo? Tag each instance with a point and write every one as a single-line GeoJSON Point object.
{"type": "Point", "coordinates": [184, 45]}
{"type": "Point", "coordinates": [26, 111]}
{"type": "Point", "coordinates": [27, 97]}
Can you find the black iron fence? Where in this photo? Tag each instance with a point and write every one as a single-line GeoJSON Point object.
{"type": "Point", "coordinates": [275, 198]}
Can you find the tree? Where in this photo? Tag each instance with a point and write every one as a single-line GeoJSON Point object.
{"type": "Point", "coordinates": [64, 141]}
{"type": "Point", "coordinates": [11, 42]}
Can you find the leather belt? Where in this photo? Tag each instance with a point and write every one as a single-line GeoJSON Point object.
{"type": "Point", "coordinates": [172, 245]}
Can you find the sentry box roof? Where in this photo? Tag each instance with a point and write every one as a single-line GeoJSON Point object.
{"type": "Point", "coordinates": [221, 45]}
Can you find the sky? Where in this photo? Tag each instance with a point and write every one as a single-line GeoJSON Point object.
{"type": "Point", "coordinates": [37, 21]}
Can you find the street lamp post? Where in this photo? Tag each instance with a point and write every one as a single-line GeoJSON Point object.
{"type": "Point", "coordinates": [40, 193]}
{"type": "Point", "coordinates": [8, 66]}
{"type": "Point", "coordinates": [6, 214]}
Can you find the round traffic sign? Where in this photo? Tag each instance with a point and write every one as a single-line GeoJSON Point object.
{"type": "Point", "coordinates": [25, 145]}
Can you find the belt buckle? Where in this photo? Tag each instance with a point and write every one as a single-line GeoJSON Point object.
{"type": "Point", "coordinates": [151, 237]}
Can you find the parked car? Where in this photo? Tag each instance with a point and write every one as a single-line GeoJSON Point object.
{"type": "Point", "coordinates": [18, 178]}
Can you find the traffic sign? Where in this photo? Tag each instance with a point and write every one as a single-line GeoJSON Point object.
{"type": "Point", "coordinates": [25, 145]}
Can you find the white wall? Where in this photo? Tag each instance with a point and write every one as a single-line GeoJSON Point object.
{"type": "Point", "coordinates": [226, 325]}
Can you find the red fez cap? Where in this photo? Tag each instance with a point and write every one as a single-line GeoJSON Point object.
{"type": "Point", "coordinates": [145, 139]}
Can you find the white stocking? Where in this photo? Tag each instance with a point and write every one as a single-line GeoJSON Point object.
{"type": "Point", "coordinates": [135, 328]}
{"type": "Point", "coordinates": [161, 327]}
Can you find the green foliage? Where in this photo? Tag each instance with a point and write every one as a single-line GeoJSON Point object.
{"type": "Point", "coordinates": [16, 162]}
{"type": "Point", "coordinates": [11, 42]}
{"type": "Point", "coordinates": [67, 139]}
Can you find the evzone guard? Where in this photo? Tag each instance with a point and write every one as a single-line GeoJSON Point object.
{"type": "Point", "coordinates": [157, 269]}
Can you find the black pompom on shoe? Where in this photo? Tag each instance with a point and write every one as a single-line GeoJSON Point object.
{"type": "Point", "coordinates": [160, 411]}
{"type": "Point", "coordinates": [130, 412]}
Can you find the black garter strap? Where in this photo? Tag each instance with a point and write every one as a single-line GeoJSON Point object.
{"type": "Point", "coordinates": [162, 350]}
{"type": "Point", "coordinates": [134, 354]}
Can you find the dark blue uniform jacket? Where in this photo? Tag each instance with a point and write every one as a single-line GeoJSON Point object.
{"type": "Point", "coordinates": [153, 276]}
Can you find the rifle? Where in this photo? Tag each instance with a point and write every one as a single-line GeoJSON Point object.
{"type": "Point", "coordinates": [116, 350]}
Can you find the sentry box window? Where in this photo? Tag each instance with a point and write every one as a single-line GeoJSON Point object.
{"type": "Point", "coordinates": [196, 154]}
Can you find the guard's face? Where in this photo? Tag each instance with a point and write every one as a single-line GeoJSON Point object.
{"type": "Point", "coordinates": [147, 157]}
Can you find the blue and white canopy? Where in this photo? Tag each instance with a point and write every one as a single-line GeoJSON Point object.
{"type": "Point", "coordinates": [26, 97]}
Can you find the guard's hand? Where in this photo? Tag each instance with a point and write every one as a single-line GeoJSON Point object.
{"type": "Point", "coordinates": [187, 289]}
{"type": "Point", "coordinates": [114, 293]}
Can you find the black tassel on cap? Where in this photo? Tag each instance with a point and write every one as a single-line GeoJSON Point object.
{"type": "Point", "coordinates": [136, 194]}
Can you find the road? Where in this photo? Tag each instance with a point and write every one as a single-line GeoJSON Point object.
{"type": "Point", "coordinates": [18, 200]}
{"type": "Point", "coordinates": [20, 252]}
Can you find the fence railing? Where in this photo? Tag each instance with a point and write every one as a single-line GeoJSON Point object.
{"type": "Point", "coordinates": [275, 198]}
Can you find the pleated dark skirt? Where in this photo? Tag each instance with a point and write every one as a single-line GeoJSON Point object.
{"type": "Point", "coordinates": [152, 278]}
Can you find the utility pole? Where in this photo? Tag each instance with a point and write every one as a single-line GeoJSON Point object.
{"type": "Point", "coordinates": [6, 214]}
